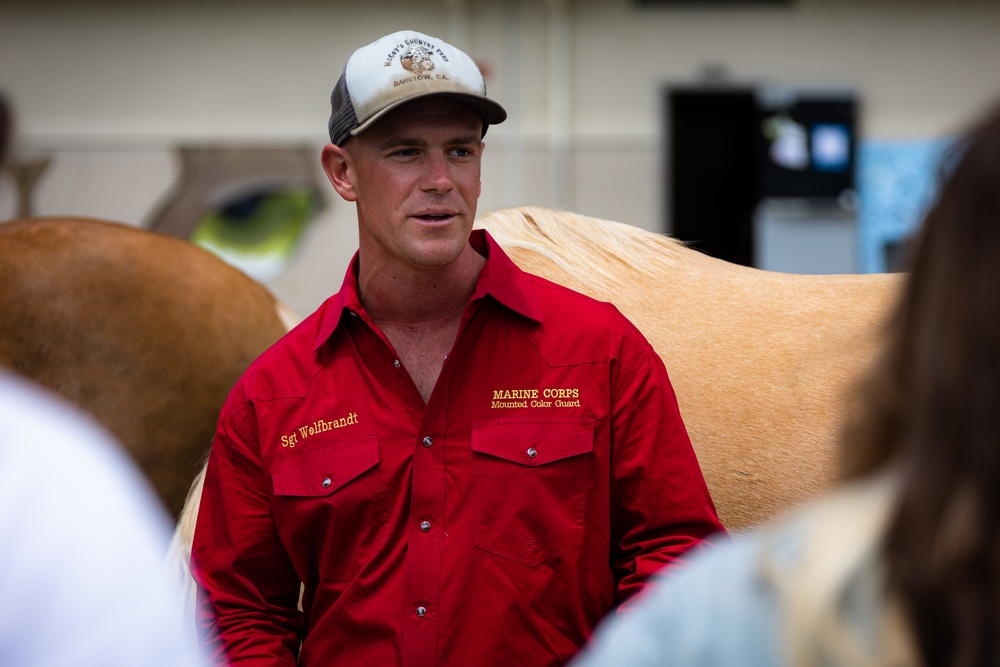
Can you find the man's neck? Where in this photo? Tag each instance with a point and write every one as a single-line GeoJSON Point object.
{"type": "Point", "coordinates": [401, 296]}
{"type": "Point", "coordinates": [420, 311]}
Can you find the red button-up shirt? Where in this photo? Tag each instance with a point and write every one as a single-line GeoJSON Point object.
{"type": "Point", "coordinates": [546, 478]}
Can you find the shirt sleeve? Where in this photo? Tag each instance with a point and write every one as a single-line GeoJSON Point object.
{"type": "Point", "coordinates": [248, 589]}
{"type": "Point", "coordinates": [661, 506]}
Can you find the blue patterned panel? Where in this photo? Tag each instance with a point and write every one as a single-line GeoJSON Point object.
{"type": "Point", "coordinates": [896, 181]}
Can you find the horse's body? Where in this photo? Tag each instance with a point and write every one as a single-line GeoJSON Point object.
{"type": "Point", "coordinates": [146, 332]}
{"type": "Point", "coordinates": [762, 362]}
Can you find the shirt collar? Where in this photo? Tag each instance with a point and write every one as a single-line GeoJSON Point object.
{"type": "Point", "coordinates": [500, 279]}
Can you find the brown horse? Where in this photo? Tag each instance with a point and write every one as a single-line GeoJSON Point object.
{"type": "Point", "coordinates": [145, 331]}
{"type": "Point", "coordinates": [762, 362]}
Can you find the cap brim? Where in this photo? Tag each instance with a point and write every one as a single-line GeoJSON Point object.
{"type": "Point", "coordinates": [491, 112]}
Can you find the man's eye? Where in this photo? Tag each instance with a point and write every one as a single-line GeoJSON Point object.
{"type": "Point", "coordinates": [406, 152]}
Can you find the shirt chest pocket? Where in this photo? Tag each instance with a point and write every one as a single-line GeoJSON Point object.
{"type": "Point", "coordinates": [531, 480]}
{"type": "Point", "coordinates": [325, 469]}
{"type": "Point", "coordinates": [330, 496]}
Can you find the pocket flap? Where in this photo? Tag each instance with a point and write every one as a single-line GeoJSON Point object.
{"type": "Point", "coordinates": [533, 442]}
{"type": "Point", "coordinates": [326, 469]}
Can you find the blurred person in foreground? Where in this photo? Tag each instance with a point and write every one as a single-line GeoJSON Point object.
{"type": "Point", "coordinates": [901, 565]}
{"type": "Point", "coordinates": [83, 545]}
{"type": "Point", "coordinates": [459, 462]}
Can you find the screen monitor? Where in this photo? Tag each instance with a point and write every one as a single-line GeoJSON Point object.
{"type": "Point", "coordinates": [805, 142]}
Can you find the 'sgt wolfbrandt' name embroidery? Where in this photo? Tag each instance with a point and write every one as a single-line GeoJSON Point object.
{"type": "Point", "coordinates": [318, 426]}
{"type": "Point", "coordinates": [536, 398]}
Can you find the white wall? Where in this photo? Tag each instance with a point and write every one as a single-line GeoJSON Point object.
{"type": "Point", "coordinates": [110, 87]}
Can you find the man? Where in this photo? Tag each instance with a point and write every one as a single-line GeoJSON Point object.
{"type": "Point", "coordinates": [463, 464]}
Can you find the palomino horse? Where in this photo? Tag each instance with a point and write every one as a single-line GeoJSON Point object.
{"type": "Point", "coordinates": [146, 332]}
{"type": "Point", "coordinates": [762, 362]}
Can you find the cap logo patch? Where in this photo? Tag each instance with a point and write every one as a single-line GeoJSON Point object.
{"type": "Point", "coordinates": [417, 59]}
{"type": "Point", "coordinates": [415, 55]}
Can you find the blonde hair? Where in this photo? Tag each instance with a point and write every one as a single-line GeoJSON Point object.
{"type": "Point", "coordinates": [838, 561]}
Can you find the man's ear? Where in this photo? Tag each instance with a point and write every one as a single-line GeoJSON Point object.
{"type": "Point", "coordinates": [337, 168]}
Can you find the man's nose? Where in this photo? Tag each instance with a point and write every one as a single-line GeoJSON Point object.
{"type": "Point", "coordinates": [437, 173]}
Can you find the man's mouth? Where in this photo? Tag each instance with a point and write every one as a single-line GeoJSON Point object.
{"type": "Point", "coordinates": [435, 217]}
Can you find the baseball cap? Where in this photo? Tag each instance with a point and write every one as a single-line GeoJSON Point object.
{"type": "Point", "coordinates": [399, 68]}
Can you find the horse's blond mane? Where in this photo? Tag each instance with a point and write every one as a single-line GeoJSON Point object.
{"type": "Point", "coordinates": [573, 241]}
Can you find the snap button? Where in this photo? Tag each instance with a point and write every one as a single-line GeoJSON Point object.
{"type": "Point", "coordinates": [425, 526]}
{"type": "Point", "coordinates": [427, 441]}
{"type": "Point", "coordinates": [532, 452]}
{"type": "Point", "coordinates": [326, 483]}
{"type": "Point", "coordinates": [421, 612]}
{"type": "Point", "coordinates": [395, 362]}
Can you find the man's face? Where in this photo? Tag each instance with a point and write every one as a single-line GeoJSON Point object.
{"type": "Point", "coordinates": [415, 176]}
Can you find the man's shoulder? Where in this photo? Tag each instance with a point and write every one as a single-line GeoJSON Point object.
{"type": "Point", "coordinates": [287, 367]}
{"type": "Point", "coordinates": [577, 327]}
{"type": "Point", "coordinates": [556, 296]}
{"type": "Point", "coordinates": [561, 302]}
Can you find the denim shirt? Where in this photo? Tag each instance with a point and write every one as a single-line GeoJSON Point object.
{"type": "Point", "coordinates": [735, 603]}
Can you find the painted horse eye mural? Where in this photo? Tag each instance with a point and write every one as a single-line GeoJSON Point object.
{"type": "Point", "coordinates": [248, 205]}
